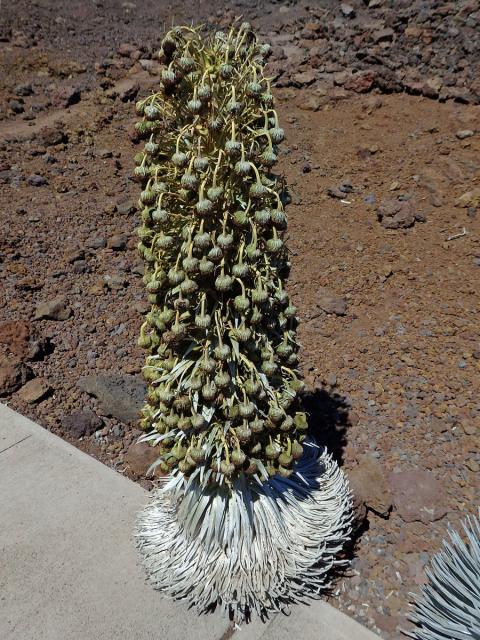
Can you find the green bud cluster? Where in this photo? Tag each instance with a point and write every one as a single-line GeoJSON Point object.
{"type": "Point", "coordinates": [222, 364]}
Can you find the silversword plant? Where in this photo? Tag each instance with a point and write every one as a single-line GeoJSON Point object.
{"type": "Point", "coordinates": [253, 513]}
{"type": "Point", "coordinates": [449, 604]}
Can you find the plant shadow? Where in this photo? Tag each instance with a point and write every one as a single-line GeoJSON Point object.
{"type": "Point", "coordinates": [328, 420]}
{"type": "Point", "coordinates": [328, 424]}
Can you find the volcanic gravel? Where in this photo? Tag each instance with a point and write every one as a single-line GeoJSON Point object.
{"type": "Point", "coordinates": [382, 162]}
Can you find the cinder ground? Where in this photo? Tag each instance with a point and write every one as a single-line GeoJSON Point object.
{"type": "Point", "coordinates": [390, 349]}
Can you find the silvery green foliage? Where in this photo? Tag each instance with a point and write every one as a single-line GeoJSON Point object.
{"type": "Point", "coordinates": [449, 605]}
{"type": "Point", "coordinates": [256, 549]}
{"type": "Point", "coordinates": [221, 334]}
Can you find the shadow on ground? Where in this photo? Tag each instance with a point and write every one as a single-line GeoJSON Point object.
{"type": "Point", "coordinates": [328, 420]}
{"type": "Point", "coordinates": [328, 423]}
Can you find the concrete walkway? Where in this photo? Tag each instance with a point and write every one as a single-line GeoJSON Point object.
{"type": "Point", "coordinates": [68, 565]}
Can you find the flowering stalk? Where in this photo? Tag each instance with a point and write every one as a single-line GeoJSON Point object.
{"type": "Point", "coordinates": [223, 406]}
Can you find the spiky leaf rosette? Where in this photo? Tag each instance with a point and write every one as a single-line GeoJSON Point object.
{"type": "Point", "coordinates": [449, 605]}
{"type": "Point", "coordinates": [251, 547]}
{"type": "Point", "coordinates": [222, 364]}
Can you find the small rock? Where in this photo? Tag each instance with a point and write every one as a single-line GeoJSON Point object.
{"type": "Point", "coordinates": [346, 187]}
{"type": "Point", "coordinates": [34, 390]}
{"type": "Point", "coordinates": [142, 306]}
{"type": "Point", "coordinates": [309, 103]}
{"type": "Point", "coordinates": [16, 106]}
{"type": "Point", "coordinates": [118, 242]}
{"type": "Point", "coordinates": [436, 199]}
{"type": "Point", "coordinates": [335, 192]}
{"type": "Point", "coordinates": [341, 77]}
{"type": "Point", "coordinates": [66, 97]}
{"type": "Point", "coordinates": [383, 35]}
{"type": "Point", "coordinates": [13, 374]}
{"type": "Point", "coordinates": [104, 153]}
{"type": "Point", "coordinates": [365, 151]}
{"type": "Point", "coordinates": [152, 67]}
{"type": "Point", "coordinates": [347, 10]}
{"type": "Point", "coordinates": [369, 485]}
{"type": "Point", "coordinates": [125, 208]}
{"type": "Point", "coordinates": [129, 92]}
{"type": "Point", "coordinates": [386, 270]}
{"type": "Point", "coordinates": [469, 199]}
{"type": "Point", "coordinates": [126, 49]}
{"type": "Point", "coordinates": [330, 302]}
{"type": "Point", "coordinates": [361, 82]}
{"type": "Point", "coordinates": [36, 180]}
{"type": "Point", "coordinates": [438, 426]}
{"type": "Point", "coordinates": [51, 136]}
{"type": "Point", "coordinates": [23, 90]}
{"type": "Point", "coordinates": [395, 214]}
{"type": "Point", "coordinates": [434, 85]}
{"type": "Point", "coordinates": [418, 495]}
{"type": "Point", "coordinates": [115, 281]}
{"type": "Point", "coordinates": [19, 338]}
{"type": "Point", "coordinates": [56, 309]}
{"type": "Point", "coordinates": [420, 217]}
{"type": "Point", "coordinates": [140, 456]}
{"type": "Point", "coordinates": [82, 423]}
{"type": "Point", "coordinates": [464, 133]}
{"type": "Point", "coordinates": [472, 465]}
{"type": "Point", "coordinates": [120, 396]}
{"type": "Point", "coordinates": [331, 380]}
{"type": "Point", "coordinates": [304, 77]}
{"type": "Point", "coordinates": [100, 242]}
{"type": "Point", "coordinates": [470, 427]}
{"type": "Point", "coordinates": [98, 288]}
{"type": "Point", "coordinates": [73, 255]}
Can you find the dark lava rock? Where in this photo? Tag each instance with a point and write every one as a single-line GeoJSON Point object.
{"type": "Point", "coordinates": [23, 90]}
{"type": "Point", "coordinates": [16, 106]}
{"type": "Point", "coordinates": [347, 10]}
{"type": "Point", "coordinates": [51, 136]}
{"type": "Point", "coordinates": [129, 92]}
{"type": "Point", "coordinates": [395, 214]}
{"type": "Point", "coordinates": [120, 396]}
{"type": "Point", "coordinates": [19, 338]}
{"type": "Point", "coordinates": [383, 35]}
{"type": "Point", "coordinates": [36, 180]}
{"type": "Point", "coordinates": [56, 309]}
{"type": "Point", "coordinates": [82, 423]}
{"type": "Point", "coordinates": [330, 302]}
{"type": "Point", "coordinates": [361, 82]}
{"type": "Point", "coordinates": [118, 242]}
{"type": "Point", "coordinates": [125, 208]}
{"type": "Point", "coordinates": [418, 495]}
{"type": "Point", "coordinates": [13, 374]}
{"type": "Point", "coordinates": [99, 242]}
{"type": "Point", "coordinates": [67, 97]}
{"type": "Point", "coordinates": [335, 192]}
